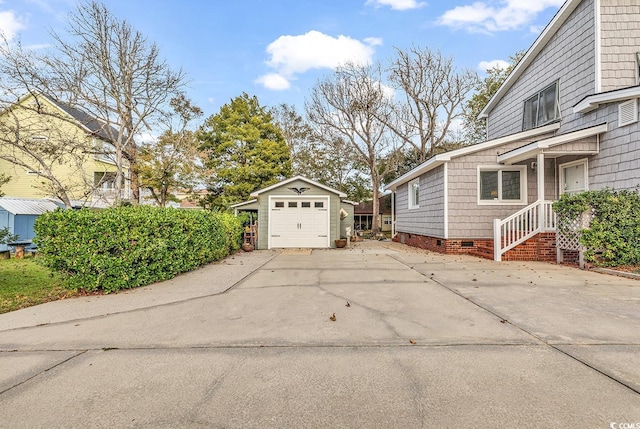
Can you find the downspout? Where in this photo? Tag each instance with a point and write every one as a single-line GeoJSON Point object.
{"type": "Point", "coordinates": [393, 214]}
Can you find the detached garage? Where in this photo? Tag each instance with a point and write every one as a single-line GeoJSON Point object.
{"type": "Point", "coordinates": [299, 212]}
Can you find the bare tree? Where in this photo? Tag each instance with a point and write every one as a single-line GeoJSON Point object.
{"type": "Point", "coordinates": [434, 93]}
{"type": "Point", "coordinates": [316, 153]}
{"type": "Point", "coordinates": [352, 105]}
{"type": "Point", "coordinates": [105, 67]}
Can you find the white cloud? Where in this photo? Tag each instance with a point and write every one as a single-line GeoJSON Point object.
{"type": "Point", "coordinates": [496, 15]}
{"type": "Point", "coordinates": [293, 55]}
{"type": "Point", "coordinates": [488, 65]}
{"type": "Point", "coordinates": [397, 4]}
{"type": "Point", "coordinates": [274, 81]}
{"type": "Point", "coordinates": [10, 23]}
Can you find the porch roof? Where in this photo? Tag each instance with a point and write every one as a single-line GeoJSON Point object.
{"type": "Point", "coordinates": [565, 144]}
{"type": "Point", "coordinates": [442, 158]}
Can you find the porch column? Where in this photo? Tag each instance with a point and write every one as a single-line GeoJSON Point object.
{"type": "Point", "coordinates": [540, 175]}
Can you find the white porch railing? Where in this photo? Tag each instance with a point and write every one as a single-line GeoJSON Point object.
{"type": "Point", "coordinates": [521, 226]}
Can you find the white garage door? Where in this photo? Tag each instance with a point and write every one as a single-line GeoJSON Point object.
{"type": "Point", "coordinates": [302, 222]}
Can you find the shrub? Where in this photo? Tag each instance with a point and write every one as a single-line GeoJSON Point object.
{"type": "Point", "coordinates": [126, 247]}
{"type": "Point", "coordinates": [613, 237]}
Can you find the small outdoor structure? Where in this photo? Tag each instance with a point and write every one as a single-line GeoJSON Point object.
{"type": "Point", "coordinates": [298, 212]}
{"type": "Point", "coordinates": [19, 215]}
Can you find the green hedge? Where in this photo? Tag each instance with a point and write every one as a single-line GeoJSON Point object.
{"type": "Point", "coordinates": [127, 247]}
{"type": "Point", "coordinates": [613, 237]}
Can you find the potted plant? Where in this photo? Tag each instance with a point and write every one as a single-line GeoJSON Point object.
{"type": "Point", "coordinates": [341, 242]}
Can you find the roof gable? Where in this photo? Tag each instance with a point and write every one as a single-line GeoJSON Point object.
{"type": "Point", "coordinates": [549, 31]}
{"type": "Point", "coordinates": [302, 178]}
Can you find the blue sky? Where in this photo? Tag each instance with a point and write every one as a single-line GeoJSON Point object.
{"type": "Point", "coordinates": [278, 49]}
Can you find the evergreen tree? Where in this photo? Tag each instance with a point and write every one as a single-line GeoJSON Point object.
{"type": "Point", "coordinates": [245, 150]}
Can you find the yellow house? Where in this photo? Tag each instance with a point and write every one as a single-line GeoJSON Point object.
{"type": "Point", "coordinates": [49, 149]}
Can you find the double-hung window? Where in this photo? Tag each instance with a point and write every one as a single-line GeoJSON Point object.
{"type": "Point", "coordinates": [542, 108]}
{"type": "Point", "coordinates": [502, 185]}
{"type": "Point", "coordinates": [414, 194]}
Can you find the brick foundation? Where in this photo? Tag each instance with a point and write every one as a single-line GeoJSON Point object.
{"type": "Point", "coordinates": [542, 247]}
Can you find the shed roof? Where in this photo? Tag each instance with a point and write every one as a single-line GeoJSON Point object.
{"type": "Point", "coordinates": [23, 206]}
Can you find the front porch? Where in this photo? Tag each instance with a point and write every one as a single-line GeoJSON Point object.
{"type": "Point", "coordinates": [534, 226]}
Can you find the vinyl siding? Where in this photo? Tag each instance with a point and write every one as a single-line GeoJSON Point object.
{"type": "Point", "coordinates": [428, 218]}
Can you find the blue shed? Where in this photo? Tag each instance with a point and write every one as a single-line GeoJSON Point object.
{"type": "Point", "coordinates": [19, 215]}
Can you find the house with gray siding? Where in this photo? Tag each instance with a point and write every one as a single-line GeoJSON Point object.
{"type": "Point", "coordinates": [564, 121]}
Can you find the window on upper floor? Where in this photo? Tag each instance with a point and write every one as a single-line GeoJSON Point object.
{"type": "Point", "coordinates": [414, 194]}
{"type": "Point", "coordinates": [542, 108]}
{"type": "Point", "coordinates": [506, 185]}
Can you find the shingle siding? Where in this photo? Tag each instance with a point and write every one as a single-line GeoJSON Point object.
{"type": "Point", "coordinates": [428, 218]}
{"type": "Point", "coordinates": [467, 219]}
{"type": "Point", "coordinates": [569, 58]}
{"type": "Point", "coordinates": [620, 40]}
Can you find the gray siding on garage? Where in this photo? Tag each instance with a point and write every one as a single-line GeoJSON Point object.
{"type": "Point", "coordinates": [263, 211]}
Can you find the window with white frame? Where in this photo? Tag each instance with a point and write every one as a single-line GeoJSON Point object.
{"type": "Point", "coordinates": [414, 194]}
{"type": "Point", "coordinates": [542, 108]}
{"type": "Point", "coordinates": [502, 185]}
{"type": "Point", "coordinates": [574, 177]}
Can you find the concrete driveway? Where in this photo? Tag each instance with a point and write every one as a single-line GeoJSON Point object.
{"type": "Point", "coordinates": [426, 341]}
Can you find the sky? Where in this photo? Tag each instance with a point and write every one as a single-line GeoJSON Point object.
{"type": "Point", "coordinates": [278, 49]}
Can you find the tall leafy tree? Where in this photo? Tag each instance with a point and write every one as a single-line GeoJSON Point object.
{"type": "Point", "coordinates": [245, 150]}
{"type": "Point", "coordinates": [475, 129]}
{"type": "Point", "coordinates": [173, 161]}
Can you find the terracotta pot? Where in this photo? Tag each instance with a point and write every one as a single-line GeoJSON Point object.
{"type": "Point", "coordinates": [247, 247]}
{"type": "Point", "coordinates": [341, 242]}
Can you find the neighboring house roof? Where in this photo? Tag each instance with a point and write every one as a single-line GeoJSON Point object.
{"type": "Point", "coordinates": [366, 207]}
{"type": "Point", "coordinates": [304, 179]}
{"type": "Point", "coordinates": [550, 30]}
{"type": "Point", "coordinates": [594, 101]}
{"type": "Point", "coordinates": [23, 206]}
{"type": "Point", "coordinates": [89, 123]}
{"type": "Point", "coordinates": [440, 159]}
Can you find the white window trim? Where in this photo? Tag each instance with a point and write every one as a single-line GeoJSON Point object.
{"type": "Point", "coordinates": [499, 202]}
{"type": "Point", "coordinates": [584, 161]}
{"type": "Point", "coordinates": [412, 203]}
{"type": "Point", "coordinates": [634, 106]}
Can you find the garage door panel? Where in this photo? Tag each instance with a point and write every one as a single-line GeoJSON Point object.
{"type": "Point", "coordinates": [299, 223]}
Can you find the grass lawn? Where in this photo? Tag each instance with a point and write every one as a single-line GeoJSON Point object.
{"type": "Point", "coordinates": [24, 283]}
